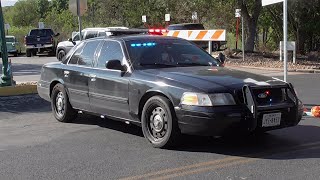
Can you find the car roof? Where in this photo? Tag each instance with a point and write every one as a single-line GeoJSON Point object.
{"type": "Point", "coordinates": [10, 37]}
{"type": "Point", "coordinates": [133, 37]}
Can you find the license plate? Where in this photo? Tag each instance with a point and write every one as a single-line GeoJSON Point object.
{"type": "Point", "coordinates": [39, 45]}
{"type": "Point", "coordinates": [272, 119]}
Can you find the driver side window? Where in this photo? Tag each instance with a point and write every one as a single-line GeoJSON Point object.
{"type": "Point", "coordinates": [111, 50]}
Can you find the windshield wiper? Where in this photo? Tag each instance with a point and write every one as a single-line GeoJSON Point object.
{"type": "Point", "coordinates": [192, 64]}
{"type": "Point", "coordinates": [157, 64]}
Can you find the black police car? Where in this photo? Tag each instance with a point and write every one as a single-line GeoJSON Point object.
{"type": "Point", "coordinates": [166, 85]}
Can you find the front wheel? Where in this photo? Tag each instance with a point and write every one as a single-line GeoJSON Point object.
{"type": "Point", "coordinates": [159, 123]}
{"type": "Point", "coordinates": [61, 107]}
{"type": "Point", "coordinates": [61, 54]}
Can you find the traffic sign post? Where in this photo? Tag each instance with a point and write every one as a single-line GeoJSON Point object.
{"type": "Point", "coordinates": [285, 31]}
{"type": "Point", "coordinates": [194, 16]}
{"type": "Point", "coordinates": [78, 8]}
{"type": "Point", "coordinates": [7, 27]}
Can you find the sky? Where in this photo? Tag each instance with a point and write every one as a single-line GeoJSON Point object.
{"type": "Point", "coordinates": [8, 2]}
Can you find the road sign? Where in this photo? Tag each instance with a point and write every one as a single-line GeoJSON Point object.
{"type": "Point", "coordinates": [144, 18]}
{"type": "Point", "coordinates": [7, 26]}
{"type": "Point", "coordinates": [83, 7]}
{"type": "Point", "coordinates": [41, 25]}
{"type": "Point", "coordinates": [194, 16]}
{"type": "Point", "coordinates": [268, 2]}
{"type": "Point", "coordinates": [238, 13]}
{"type": "Point", "coordinates": [167, 17]}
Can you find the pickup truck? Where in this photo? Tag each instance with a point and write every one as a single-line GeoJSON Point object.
{"type": "Point", "coordinates": [41, 40]}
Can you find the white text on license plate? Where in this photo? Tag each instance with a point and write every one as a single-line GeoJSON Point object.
{"type": "Point", "coordinates": [272, 119]}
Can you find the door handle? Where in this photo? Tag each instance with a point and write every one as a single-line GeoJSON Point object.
{"type": "Point", "coordinates": [66, 73]}
{"type": "Point", "coordinates": [93, 77]}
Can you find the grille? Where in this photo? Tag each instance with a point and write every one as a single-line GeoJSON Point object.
{"type": "Point", "coordinates": [275, 96]}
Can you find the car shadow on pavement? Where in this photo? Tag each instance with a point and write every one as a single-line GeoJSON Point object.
{"type": "Point", "coordinates": [270, 145]}
{"type": "Point", "coordinates": [109, 124]}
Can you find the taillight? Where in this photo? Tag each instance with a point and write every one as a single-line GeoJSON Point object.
{"type": "Point", "coordinates": [51, 40]}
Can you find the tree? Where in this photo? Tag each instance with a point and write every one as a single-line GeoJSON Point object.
{"type": "Point", "coordinates": [42, 7]}
{"type": "Point", "coordinates": [24, 13]}
{"type": "Point", "coordinates": [250, 11]}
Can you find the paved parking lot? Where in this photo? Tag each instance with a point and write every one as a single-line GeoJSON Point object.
{"type": "Point", "coordinates": [33, 145]}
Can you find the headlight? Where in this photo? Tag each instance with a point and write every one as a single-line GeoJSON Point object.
{"type": "Point", "coordinates": [222, 99]}
{"type": "Point", "coordinates": [199, 99]}
{"type": "Point", "coordinates": [13, 44]}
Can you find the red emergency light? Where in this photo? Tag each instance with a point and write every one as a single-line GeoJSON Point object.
{"type": "Point", "coordinates": [157, 31]}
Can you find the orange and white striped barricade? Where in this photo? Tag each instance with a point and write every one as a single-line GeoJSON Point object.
{"type": "Point", "coordinates": [199, 35]}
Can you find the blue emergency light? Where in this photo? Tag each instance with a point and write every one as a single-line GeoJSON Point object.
{"type": "Point", "coordinates": [148, 44]}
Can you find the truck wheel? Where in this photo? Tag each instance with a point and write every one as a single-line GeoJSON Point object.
{"type": "Point", "coordinates": [159, 123]}
{"type": "Point", "coordinates": [61, 54]}
{"type": "Point", "coordinates": [61, 107]}
{"type": "Point", "coordinates": [28, 52]}
{"type": "Point", "coordinates": [34, 52]}
{"type": "Point", "coordinates": [215, 47]}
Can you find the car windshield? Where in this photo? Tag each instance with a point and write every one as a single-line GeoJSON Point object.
{"type": "Point", "coordinates": [41, 32]}
{"type": "Point", "coordinates": [162, 53]}
{"type": "Point", "coordinates": [9, 39]}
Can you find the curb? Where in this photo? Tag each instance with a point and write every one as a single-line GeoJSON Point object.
{"type": "Point", "coordinates": [18, 90]}
{"type": "Point", "coordinates": [277, 69]}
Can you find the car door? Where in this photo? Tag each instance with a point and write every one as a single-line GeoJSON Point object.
{"type": "Point", "coordinates": [76, 76]}
{"type": "Point", "coordinates": [109, 88]}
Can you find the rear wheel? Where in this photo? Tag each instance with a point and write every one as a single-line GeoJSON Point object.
{"type": "Point", "coordinates": [61, 107]}
{"type": "Point", "coordinates": [28, 52]}
{"type": "Point", "coordinates": [34, 52]}
{"type": "Point", "coordinates": [159, 123]}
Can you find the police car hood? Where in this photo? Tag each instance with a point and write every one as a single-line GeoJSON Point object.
{"type": "Point", "coordinates": [210, 78]}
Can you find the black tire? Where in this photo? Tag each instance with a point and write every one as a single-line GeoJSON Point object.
{"type": "Point", "coordinates": [61, 107]}
{"type": "Point", "coordinates": [159, 122]}
{"type": "Point", "coordinates": [15, 54]}
{"type": "Point", "coordinates": [34, 52]}
{"type": "Point", "coordinates": [61, 54]}
{"type": "Point", "coordinates": [215, 47]}
{"type": "Point", "coordinates": [28, 53]}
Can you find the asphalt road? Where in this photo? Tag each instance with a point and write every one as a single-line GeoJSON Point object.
{"type": "Point", "coordinates": [33, 145]}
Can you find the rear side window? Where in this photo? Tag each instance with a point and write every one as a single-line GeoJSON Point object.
{"type": "Point", "coordinates": [87, 55]}
{"type": "Point", "coordinates": [91, 34]}
{"type": "Point", "coordinates": [41, 32]}
{"type": "Point", "coordinates": [102, 33]}
{"type": "Point", "coordinates": [111, 50]}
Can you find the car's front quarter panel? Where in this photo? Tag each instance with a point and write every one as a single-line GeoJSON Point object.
{"type": "Point", "coordinates": [142, 84]}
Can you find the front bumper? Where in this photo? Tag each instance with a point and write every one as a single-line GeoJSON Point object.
{"type": "Point", "coordinates": [244, 117]}
{"type": "Point", "coordinates": [217, 121]}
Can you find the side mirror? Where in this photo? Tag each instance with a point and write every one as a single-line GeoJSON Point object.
{"type": "Point", "coordinates": [58, 34]}
{"type": "Point", "coordinates": [70, 39]}
{"type": "Point", "coordinates": [116, 65]}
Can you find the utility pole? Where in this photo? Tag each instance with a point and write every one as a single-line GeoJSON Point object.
{"type": "Point", "coordinates": [5, 77]}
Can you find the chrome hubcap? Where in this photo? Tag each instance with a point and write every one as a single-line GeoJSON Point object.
{"type": "Point", "coordinates": [60, 103]}
{"type": "Point", "coordinates": [158, 123]}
